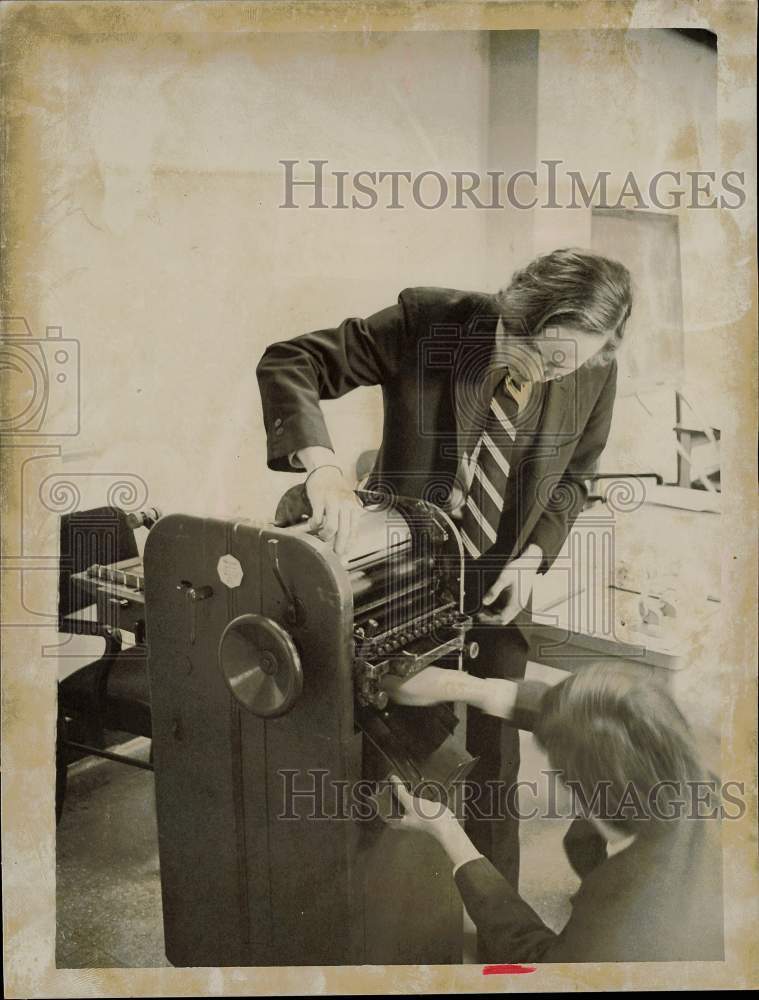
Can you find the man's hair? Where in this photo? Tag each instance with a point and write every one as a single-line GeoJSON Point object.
{"type": "Point", "coordinates": [568, 287]}
{"type": "Point", "coordinates": [614, 732]}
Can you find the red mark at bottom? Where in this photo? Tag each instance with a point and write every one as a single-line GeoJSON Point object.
{"type": "Point", "coordinates": [506, 970]}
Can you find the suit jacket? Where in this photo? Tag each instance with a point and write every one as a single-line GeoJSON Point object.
{"type": "Point", "coordinates": [426, 352]}
{"type": "Point", "coordinates": [658, 900]}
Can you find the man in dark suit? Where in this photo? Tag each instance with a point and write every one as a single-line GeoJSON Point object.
{"type": "Point", "coordinates": [623, 743]}
{"type": "Point", "coordinates": [495, 407]}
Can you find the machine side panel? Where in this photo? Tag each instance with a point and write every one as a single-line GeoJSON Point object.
{"type": "Point", "coordinates": [401, 872]}
{"type": "Point", "coordinates": [250, 874]}
{"type": "Point", "coordinates": [197, 735]}
{"type": "Point", "coordinates": [311, 848]}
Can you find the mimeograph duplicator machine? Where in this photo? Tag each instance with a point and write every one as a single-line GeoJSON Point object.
{"type": "Point", "coordinates": [270, 729]}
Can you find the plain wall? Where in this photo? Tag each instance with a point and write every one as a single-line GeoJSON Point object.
{"type": "Point", "coordinates": [160, 246]}
{"type": "Point", "coordinates": [166, 255]}
{"type": "Point", "coordinates": [642, 101]}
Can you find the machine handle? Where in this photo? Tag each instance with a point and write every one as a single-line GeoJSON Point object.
{"type": "Point", "coordinates": [144, 518]}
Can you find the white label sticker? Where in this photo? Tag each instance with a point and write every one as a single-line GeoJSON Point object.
{"type": "Point", "coordinates": [230, 571]}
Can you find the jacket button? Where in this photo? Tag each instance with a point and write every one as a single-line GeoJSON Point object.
{"type": "Point", "coordinates": [278, 422]}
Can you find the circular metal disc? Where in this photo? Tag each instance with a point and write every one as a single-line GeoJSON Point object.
{"type": "Point", "coordinates": [261, 665]}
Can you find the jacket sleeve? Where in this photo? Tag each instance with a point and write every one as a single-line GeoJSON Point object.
{"type": "Point", "coordinates": [508, 929]}
{"type": "Point", "coordinates": [524, 714]}
{"type": "Point", "coordinates": [570, 492]}
{"type": "Point", "coordinates": [294, 375]}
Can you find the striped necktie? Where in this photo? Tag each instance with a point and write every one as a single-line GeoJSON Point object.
{"type": "Point", "coordinates": [492, 460]}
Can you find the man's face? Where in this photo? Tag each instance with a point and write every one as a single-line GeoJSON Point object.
{"type": "Point", "coordinates": [555, 353]}
{"type": "Point", "coordinates": [564, 349]}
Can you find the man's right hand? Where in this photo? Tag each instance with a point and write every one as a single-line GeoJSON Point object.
{"type": "Point", "coordinates": [334, 505]}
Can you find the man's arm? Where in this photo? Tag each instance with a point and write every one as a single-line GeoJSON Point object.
{"type": "Point", "coordinates": [294, 375]}
{"type": "Point", "coordinates": [508, 929]}
{"type": "Point", "coordinates": [516, 701]}
{"type": "Point", "coordinates": [554, 525]}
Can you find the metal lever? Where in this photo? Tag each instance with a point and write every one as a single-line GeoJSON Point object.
{"type": "Point", "coordinates": [294, 613]}
{"type": "Point", "coordinates": [193, 595]}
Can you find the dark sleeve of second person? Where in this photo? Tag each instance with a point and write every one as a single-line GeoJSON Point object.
{"type": "Point", "coordinates": [294, 375]}
{"type": "Point", "coordinates": [508, 929]}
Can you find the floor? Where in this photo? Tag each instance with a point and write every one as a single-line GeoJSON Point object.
{"type": "Point", "coordinates": [108, 880]}
{"type": "Point", "coordinates": [108, 883]}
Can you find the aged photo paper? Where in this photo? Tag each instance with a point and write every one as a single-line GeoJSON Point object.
{"type": "Point", "coordinates": [379, 521]}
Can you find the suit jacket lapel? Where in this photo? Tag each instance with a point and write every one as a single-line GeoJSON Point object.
{"type": "Point", "coordinates": [550, 420]}
{"type": "Point", "coordinates": [544, 426]}
{"type": "Point", "coordinates": [539, 449]}
{"type": "Point", "coordinates": [474, 377]}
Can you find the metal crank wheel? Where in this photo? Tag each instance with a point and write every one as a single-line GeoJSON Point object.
{"type": "Point", "coordinates": [261, 665]}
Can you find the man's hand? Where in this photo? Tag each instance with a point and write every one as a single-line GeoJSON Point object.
{"type": "Point", "coordinates": [334, 505]}
{"type": "Point", "coordinates": [430, 686]}
{"type": "Point", "coordinates": [420, 815]}
{"type": "Point", "coordinates": [516, 579]}
{"type": "Point", "coordinates": [434, 819]}
{"type": "Point", "coordinates": [433, 685]}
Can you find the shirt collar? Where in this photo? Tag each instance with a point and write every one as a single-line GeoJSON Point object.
{"type": "Point", "coordinates": [519, 355]}
{"type": "Point", "coordinates": [519, 362]}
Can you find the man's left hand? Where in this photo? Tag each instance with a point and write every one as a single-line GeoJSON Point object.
{"type": "Point", "coordinates": [517, 579]}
